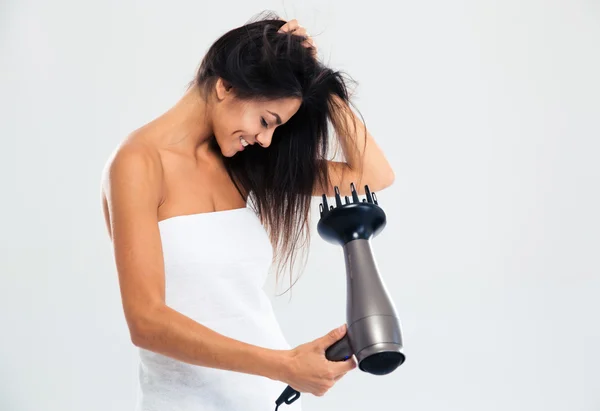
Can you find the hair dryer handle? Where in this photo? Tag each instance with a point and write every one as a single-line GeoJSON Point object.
{"type": "Point", "coordinates": [340, 350]}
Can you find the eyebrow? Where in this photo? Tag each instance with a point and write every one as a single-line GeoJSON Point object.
{"type": "Point", "coordinates": [276, 116]}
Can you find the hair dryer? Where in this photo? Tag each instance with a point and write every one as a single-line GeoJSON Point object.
{"type": "Point", "coordinates": [373, 327]}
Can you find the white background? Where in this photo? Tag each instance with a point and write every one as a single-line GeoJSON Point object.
{"type": "Point", "coordinates": [488, 111]}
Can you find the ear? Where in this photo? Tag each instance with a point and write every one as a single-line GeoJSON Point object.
{"type": "Point", "coordinates": [222, 88]}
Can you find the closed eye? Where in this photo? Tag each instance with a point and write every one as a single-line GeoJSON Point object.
{"type": "Point", "coordinates": [264, 123]}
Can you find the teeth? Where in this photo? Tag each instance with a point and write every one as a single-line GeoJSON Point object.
{"type": "Point", "coordinates": [244, 142]}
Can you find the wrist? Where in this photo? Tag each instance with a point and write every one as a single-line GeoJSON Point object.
{"type": "Point", "coordinates": [279, 369]}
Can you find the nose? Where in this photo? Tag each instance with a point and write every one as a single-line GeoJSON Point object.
{"type": "Point", "coordinates": [264, 139]}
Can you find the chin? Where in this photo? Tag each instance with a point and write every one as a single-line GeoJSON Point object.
{"type": "Point", "coordinates": [220, 147]}
{"type": "Point", "coordinates": [231, 153]}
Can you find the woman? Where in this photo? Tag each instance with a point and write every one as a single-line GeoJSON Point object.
{"type": "Point", "coordinates": [192, 256]}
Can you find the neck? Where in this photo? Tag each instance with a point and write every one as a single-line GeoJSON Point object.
{"type": "Point", "coordinates": [186, 127]}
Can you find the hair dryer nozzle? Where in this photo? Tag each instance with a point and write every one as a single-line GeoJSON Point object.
{"type": "Point", "coordinates": [352, 220]}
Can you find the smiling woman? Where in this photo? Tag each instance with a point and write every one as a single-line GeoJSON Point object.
{"type": "Point", "coordinates": [192, 256]}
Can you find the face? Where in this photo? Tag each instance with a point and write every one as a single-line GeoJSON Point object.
{"type": "Point", "coordinates": [253, 121]}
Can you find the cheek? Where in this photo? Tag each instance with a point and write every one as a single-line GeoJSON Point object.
{"type": "Point", "coordinates": [222, 128]}
{"type": "Point", "coordinates": [235, 124]}
{"type": "Point", "coordinates": [251, 127]}
{"type": "Point", "coordinates": [247, 121]}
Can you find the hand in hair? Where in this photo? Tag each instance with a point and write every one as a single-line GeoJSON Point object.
{"type": "Point", "coordinates": [295, 28]}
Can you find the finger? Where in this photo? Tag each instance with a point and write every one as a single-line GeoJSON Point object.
{"type": "Point", "coordinates": [348, 365]}
{"type": "Point", "coordinates": [289, 26]}
{"type": "Point", "coordinates": [300, 31]}
{"type": "Point", "coordinates": [309, 43]}
{"type": "Point", "coordinates": [340, 372]}
{"type": "Point", "coordinates": [313, 50]}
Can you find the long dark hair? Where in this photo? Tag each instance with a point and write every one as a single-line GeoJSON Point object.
{"type": "Point", "coordinates": [262, 64]}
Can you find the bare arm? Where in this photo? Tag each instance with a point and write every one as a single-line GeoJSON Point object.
{"type": "Point", "coordinates": [365, 162]}
{"type": "Point", "coordinates": [171, 333]}
{"type": "Point", "coordinates": [132, 190]}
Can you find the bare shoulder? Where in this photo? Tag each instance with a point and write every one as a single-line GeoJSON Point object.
{"type": "Point", "coordinates": [134, 167]}
{"type": "Point", "coordinates": [135, 157]}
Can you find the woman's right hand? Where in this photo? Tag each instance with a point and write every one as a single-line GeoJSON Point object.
{"type": "Point", "coordinates": [310, 371]}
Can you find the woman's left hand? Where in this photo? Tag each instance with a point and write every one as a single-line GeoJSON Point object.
{"type": "Point", "coordinates": [295, 28]}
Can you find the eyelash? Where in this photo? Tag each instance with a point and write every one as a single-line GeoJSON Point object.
{"type": "Point", "coordinates": [263, 122]}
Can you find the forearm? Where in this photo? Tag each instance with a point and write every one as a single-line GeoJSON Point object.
{"type": "Point", "coordinates": [357, 143]}
{"type": "Point", "coordinates": [175, 335]}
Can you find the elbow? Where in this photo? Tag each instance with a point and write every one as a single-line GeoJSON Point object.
{"type": "Point", "coordinates": [136, 337]}
{"type": "Point", "coordinates": [137, 332]}
{"type": "Point", "coordinates": [390, 179]}
{"type": "Point", "coordinates": [141, 327]}
{"type": "Point", "coordinates": [379, 180]}
{"type": "Point", "coordinates": [387, 180]}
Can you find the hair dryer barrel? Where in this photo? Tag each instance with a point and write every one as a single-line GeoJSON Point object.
{"type": "Point", "coordinates": [373, 324]}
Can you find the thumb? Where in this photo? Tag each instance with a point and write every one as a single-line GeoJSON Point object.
{"type": "Point", "coordinates": [334, 335]}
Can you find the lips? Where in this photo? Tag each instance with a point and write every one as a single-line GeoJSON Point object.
{"type": "Point", "coordinates": [241, 145]}
{"type": "Point", "coordinates": [248, 141]}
